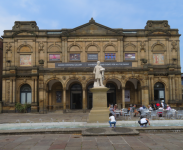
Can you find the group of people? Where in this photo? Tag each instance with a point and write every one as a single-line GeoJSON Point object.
{"type": "Point", "coordinates": [133, 109]}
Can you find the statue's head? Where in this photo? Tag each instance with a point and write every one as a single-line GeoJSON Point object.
{"type": "Point", "coordinates": [98, 62]}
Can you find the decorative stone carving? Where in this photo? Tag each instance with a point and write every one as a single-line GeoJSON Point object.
{"type": "Point", "coordinates": [154, 24]}
{"type": "Point", "coordinates": [25, 80]}
{"type": "Point", "coordinates": [174, 45]}
{"type": "Point", "coordinates": [83, 77]}
{"type": "Point", "coordinates": [41, 45]}
{"type": "Point", "coordinates": [25, 25]}
{"type": "Point", "coordinates": [142, 44]}
{"type": "Point", "coordinates": [41, 61]}
{"type": "Point", "coordinates": [92, 20]}
{"type": "Point", "coordinates": [64, 77]}
{"type": "Point", "coordinates": [123, 77]}
{"type": "Point", "coordinates": [8, 47]}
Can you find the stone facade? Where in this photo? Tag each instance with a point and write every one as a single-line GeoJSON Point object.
{"type": "Point", "coordinates": [31, 55]}
{"type": "Point", "coordinates": [1, 66]}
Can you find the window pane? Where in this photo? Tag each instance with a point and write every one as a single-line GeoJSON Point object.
{"type": "Point", "coordinates": [29, 98]}
{"type": "Point", "coordinates": [22, 98]}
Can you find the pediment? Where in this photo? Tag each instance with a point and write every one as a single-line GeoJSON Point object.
{"type": "Point", "coordinates": [93, 28]}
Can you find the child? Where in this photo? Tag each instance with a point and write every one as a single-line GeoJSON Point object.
{"type": "Point", "coordinates": [112, 120]}
{"type": "Point", "coordinates": [143, 121]}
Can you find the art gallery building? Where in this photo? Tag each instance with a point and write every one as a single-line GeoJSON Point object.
{"type": "Point", "coordinates": [53, 69]}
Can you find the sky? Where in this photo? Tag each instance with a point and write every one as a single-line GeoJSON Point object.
{"type": "Point", "coordinates": [58, 14]}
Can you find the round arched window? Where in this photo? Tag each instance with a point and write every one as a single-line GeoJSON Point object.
{"type": "Point", "coordinates": [76, 87]}
{"type": "Point", "coordinates": [25, 94]}
{"type": "Point", "coordinates": [158, 85]}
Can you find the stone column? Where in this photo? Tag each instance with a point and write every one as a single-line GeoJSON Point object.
{"type": "Point", "coordinates": [150, 91]}
{"type": "Point", "coordinates": [145, 95]}
{"type": "Point", "coordinates": [11, 91]}
{"type": "Point", "coordinates": [36, 91]}
{"type": "Point", "coordinates": [65, 50]}
{"type": "Point", "coordinates": [136, 96]}
{"type": "Point", "coordinates": [50, 107]}
{"type": "Point", "coordinates": [123, 96]}
{"type": "Point", "coordinates": [121, 49]}
{"type": "Point", "coordinates": [33, 91]}
{"type": "Point", "coordinates": [64, 99]}
{"type": "Point", "coordinates": [41, 94]}
{"type": "Point", "coordinates": [47, 97]}
{"type": "Point", "coordinates": [152, 88]}
{"type": "Point", "coordinates": [170, 89]}
{"type": "Point", "coordinates": [14, 90]}
{"type": "Point", "coordinates": [173, 82]}
{"type": "Point", "coordinates": [4, 90]}
{"type": "Point", "coordinates": [84, 100]}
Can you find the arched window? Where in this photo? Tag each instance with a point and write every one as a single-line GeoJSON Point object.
{"type": "Point", "coordinates": [158, 85]}
{"type": "Point", "coordinates": [25, 94]}
{"type": "Point", "coordinates": [76, 87]}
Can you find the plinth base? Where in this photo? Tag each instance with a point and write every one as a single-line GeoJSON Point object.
{"type": "Point", "coordinates": [99, 112]}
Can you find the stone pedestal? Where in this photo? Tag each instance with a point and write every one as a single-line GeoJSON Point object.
{"type": "Point", "coordinates": [99, 112]}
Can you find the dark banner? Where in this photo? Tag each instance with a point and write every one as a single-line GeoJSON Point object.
{"type": "Point", "coordinates": [93, 64]}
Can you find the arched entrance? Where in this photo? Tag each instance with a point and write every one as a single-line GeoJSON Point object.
{"type": "Point", "coordinates": [111, 94]}
{"type": "Point", "coordinates": [133, 92]}
{"type": "Point", "coordinates": [54, 95]}
{"type": "Point", "coordinates": [76, 96]}
{"type": "Point", "coordinates": [159, 92]}
{"type": "Point", "coordinates": [25, 94]}
{"type": "Point", "coordinates": [89, 97]}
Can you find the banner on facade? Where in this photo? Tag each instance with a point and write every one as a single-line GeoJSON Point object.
{"type": "Point", "coordinates": [127, 95]}
{"type": "Point", "coordinates": [93, 64]}
{"type": "Point", "coordinates": [92, 56]}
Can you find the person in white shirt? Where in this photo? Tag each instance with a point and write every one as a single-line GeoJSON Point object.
{"type": "Point", "coordinates": [162, 104]}
{"type": "Point", "coordinates": [112, 120]}
{"type": "Point", "coordinates": [150, 108]}
{"type": "Point", "coordinates": [143, 121]}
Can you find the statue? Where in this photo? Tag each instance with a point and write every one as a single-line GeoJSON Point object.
{"type": "Point", "coordinates": [99, 75]}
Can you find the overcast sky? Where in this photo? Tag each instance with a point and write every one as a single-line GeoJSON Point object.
{"type": "Point", "coordinates": [57, 14]}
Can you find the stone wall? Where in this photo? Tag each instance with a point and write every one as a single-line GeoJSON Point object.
{"type": "Point", "coordinates": [30, 55]}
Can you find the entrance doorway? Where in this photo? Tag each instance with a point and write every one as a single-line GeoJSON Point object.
{"type": "Point", "coordinates": [89, 97]}
{"type": "Point", "coordinates": [25, 94]}
{"type": "Point", "coordinates": [159, 92]}
{"type": "Point", "coordinates": [111, 94]}
{"type": "Point", "coordinates": [76, 96]}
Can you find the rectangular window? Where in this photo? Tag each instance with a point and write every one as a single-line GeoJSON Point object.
{"type": "Point", "coordinates": [25, 60]}
{"type": "Point", "coordinates": [92, 56]}
{"type": "Point", "coordinates": [110, 56]}
{"type": "Point", "coordinates": [54, 57]}
{"type": "Point", "coordinates": [129, 56]}
{"type": "Point", "coordinates": [74, 56]}
{"type": "Point", "coordinates": [158, 59]}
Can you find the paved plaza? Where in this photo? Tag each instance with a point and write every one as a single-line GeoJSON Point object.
{"type": "Point", "coordinates": [77, 142]}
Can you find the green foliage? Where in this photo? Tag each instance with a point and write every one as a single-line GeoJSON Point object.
{"type": "Point", "coordinates": [22, 108]}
